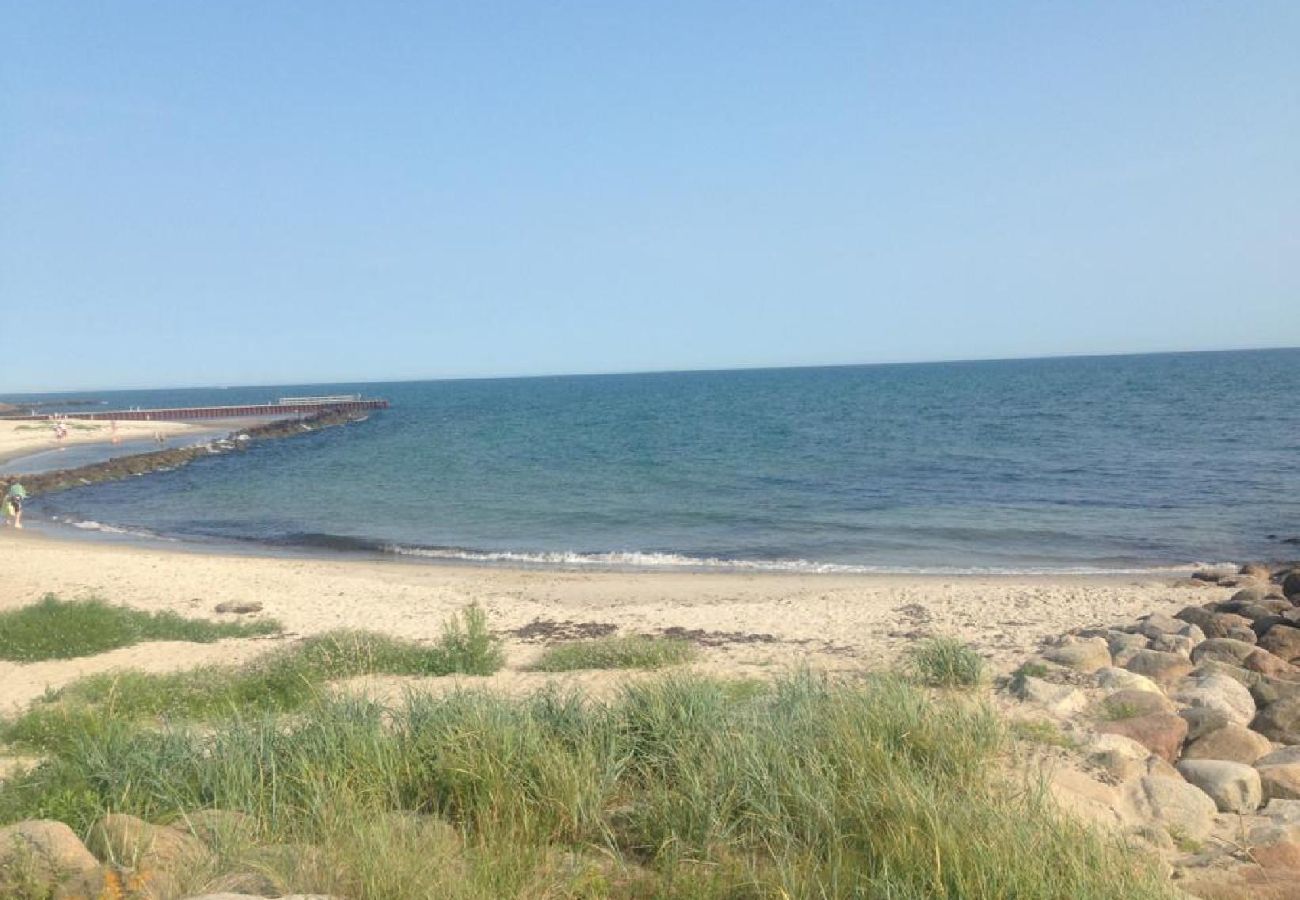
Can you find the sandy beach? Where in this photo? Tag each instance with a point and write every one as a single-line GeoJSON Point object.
{"type": "Point", "coordinates": [20, 438]}
{"type": "Point", "coordinates": [749, 624]}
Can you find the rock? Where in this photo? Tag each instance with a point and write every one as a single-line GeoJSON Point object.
{"type": "Point", "coordinates": [1291, 584]}
{"type": "Point", "coordinates": [1279, 855]}
{"type": "Point", "coordinates": [1250, 594]}
{"type": "Point", "coordinates": [1280, 721]}
{"type": "Point", "coordinates": [1218, 692]}
{"type": "Point", "coordinates": [239, 607]}
{"type": "Point", "coordinates": [1262, 625]}
{"type": "Point", "coordinates": [1086, 798]}
{"type": "Point", "coordinates": [1232, 742]}
{"type": "Point", "coordinates": [1161, 733]}
{"type": "Point", "coordinates": [1122, 758]}
{"type": "Point", "coordinates": [1267, 690]}
{"type": "Point", "coordinates": [1282, 641]}
{"type": "Point", "coordinates": [1285, 812]}
{"type": "Point", "coordinates": [1176, 804]}
{"type": "Point", "coordinates": [1266, 663]}
{"type": "Point", "coordinates": [45, 851]}
{"type": "Point", "coordinates": [1224, 650]}
{"type": "Point", "coordinates": [1113, 678]}
{"type": "Point", "coordinates": [1129, 704]}
{"type": "Point", "coordinates": [1082, 655]}
{"type": "Point", "coordinates": [1210, 575]}
{"type": "Point", "coordinates": [1174, 643]}
{"type": "Point", "coordinates": [1059, 699]}
{"type": "Point", "coordinates": [157, 853]}
{"type": "Point", "coordinates": [1236, 673]}
{"type": "Point", "coordinates": [1201, 721]}
{"type": "Point", "coordinates": [1281, 757]}
{"type": "Point", "coordinates": [1280, 782]}
{"type": "Point", "coordinates": [1244, 633]}
{"type": "Point", "coordinates": [1206, 620]}
{"type": "Point", "coordinates": [1159, 666]}
{"type": "Point", "coordinates": [1122, 643]}
{"type": "Point", "coordinates": [1156, 624]}
{"type": "Point", "coordinates": [1234, 787]}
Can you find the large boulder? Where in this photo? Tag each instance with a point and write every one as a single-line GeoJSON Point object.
{"type": "Point", "coordinates": [1232, 742]}
{"type": "Point", "coordinates": [1234, 787]}
{"type": "Point", "coordinates": [1280, 721]}
{"type": "Point", "coordinates": [1161, 733]}
{"type": "Point", "coordinates": [158, 854]}
{"type": "Point", "coordinates": [1205, 619]}
{"type": "Point", "coordinates": [1291, 584]}
{"type": "Point", "coordinates": [1282, 757]}
{"type": "Point", "coordinates": [1123, 644]}
{"type": "Point", "coordinates": [1080, 654]}
{"type": "Point", "coordinates": [1201, 721]}
{"type": "Point", "coordinates": [1122, 758]}
{"type": "Point", "coordinates": [1218, 692]}
{"type": "Point", "coordinates": [1059, 699]}
{"type": "Point", "coordinates": [45, 851]}
{"type": "Point", "coordinates": [1158, 623]}
{"type": "Point", "coordinates": [1113, 678]}
{"type": "Point", "coordinates": [1175, 804]}
{"type": "Point", "coordinates": [1224, 650]}
{"type": "Point", "coordinates": [1129, 703]}
{"type": "Point", "coordinates": [1161, 667]}
{"type": "Point", "coordinates": [1268, 690]}
{"type": "Point", "coordinates": [1280, 782]}
{"type": "Point", "coordinates": [1282, 641]}
{"type": "Point", "coordinates": [1266, 663]}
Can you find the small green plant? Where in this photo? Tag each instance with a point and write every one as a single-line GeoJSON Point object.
{"type": "Point", "coordinates": [1039, 731]}
{"type": "Point", "coordinates": [631, 652]}
{"type": "Point", "coordinates": [1116, 711]}
{"type": "Point", "coordinates": [1184, 841]}
{"type": "Point", "coordinates": [62, 629]}
{"type": "Point", "coordinates": [946, 662]}
{"type": "Point", "coordinates": [468, 645]}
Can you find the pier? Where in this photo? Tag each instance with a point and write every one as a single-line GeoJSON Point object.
{"type": "Point", "coordinates": [285, 406]}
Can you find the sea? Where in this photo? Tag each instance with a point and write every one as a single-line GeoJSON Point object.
{"type": "Point", "coordinates": [1080, 464]}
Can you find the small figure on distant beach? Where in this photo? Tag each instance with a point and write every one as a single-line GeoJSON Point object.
{"type": "Point", "coordinates": [13, 504]}
{"type": "Point", "coordinates": [112, 426]}
{"type": "Point", "coordinates": [158, 436]}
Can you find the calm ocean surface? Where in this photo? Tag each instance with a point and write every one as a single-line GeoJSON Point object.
{"type": "Point", "coordinates": [1064, 464]}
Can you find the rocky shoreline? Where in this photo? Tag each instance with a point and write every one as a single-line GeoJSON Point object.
{"type": "Point", "coordinates": [163, 460]}
{"type": "Point", "coordinates": [1189, 727]}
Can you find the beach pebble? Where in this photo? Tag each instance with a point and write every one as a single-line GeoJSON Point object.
{"type": "Point", "coordinates": [1231, 742]}
{"type": "Point", "coordinates": [1234, 787]}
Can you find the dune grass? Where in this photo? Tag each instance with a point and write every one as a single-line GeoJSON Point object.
{"type": "Point", "coordinates": [946, 662]}
{"type": "Point", "coordinates": [62, 629]}
{"type": "Point", "coordinates": [677, 788]}
{"type": "Point", "coordinates": [281, 681]}
{"type": "Point", "coordinates": [630, 652]}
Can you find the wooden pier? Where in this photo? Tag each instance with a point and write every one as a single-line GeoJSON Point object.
{"type": "Point", "coordinates": [284, 407]}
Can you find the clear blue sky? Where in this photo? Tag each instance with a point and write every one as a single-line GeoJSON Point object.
{"type": "Point", "coordinates": [262, 192]}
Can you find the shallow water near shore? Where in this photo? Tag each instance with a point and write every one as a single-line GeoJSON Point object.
{"type": "Point", "coordinates": [1072, 465]}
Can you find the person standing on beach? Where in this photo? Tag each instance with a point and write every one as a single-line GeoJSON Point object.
{"type": "Point", "coordinates": [13, 505]}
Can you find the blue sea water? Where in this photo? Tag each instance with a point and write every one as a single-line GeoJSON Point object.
{"type": "Point", "coordinates": [1071, 464]}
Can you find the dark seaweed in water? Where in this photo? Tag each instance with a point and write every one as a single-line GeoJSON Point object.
{"type": "Point", "coordinates": [159, 460]}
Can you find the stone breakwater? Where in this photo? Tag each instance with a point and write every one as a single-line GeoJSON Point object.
{"type": "Point", "coordinates": [1189, 731]}
{"type": "Point", "coordinates": [161, 460]}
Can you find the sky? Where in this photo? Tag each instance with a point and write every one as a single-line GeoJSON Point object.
{"type": "Point", "coordinates": [287, 192]}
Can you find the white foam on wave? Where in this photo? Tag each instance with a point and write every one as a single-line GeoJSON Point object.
{"type": "Point", "coordinates": [648, 560]}
{"type": "Point", "coordinates": [103, 528]}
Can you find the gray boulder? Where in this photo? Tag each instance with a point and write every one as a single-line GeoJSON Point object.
{"type": "Point", "coordinates": [1082, 655]}
{"type": "Point", "coordinates": [1164, 668]}
{"type": "Point", "coordinates": [1231, 742]}
{"type": "Point", "coordinates": [1280, 721]}
{"type": "Point", "coordinates": [1224, 650]}
{"type": "Point", "coordinates": [1175, 804]}
{"type": "Point", "coordinates": [1234, 787]}
{"type": "Point", "coordinates": [1228, 696]}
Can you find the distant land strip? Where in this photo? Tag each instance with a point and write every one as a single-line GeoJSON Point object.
{"type": "Point", "coordinates": [159, 460]}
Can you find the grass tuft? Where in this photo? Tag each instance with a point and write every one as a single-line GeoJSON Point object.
{"type": "Point", "coordinates": [631, 652]}
{"type": "Point", "coordinates": [678, 788]}
{"type": "Point", "coordinates": [946, 662]}
{"type": "Point", "coordinates": [62, 629]}
{"type": "Point", "coordinates": [281, 681]}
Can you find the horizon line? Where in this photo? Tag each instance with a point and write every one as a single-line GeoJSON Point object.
{"type": "Point", "coordinates": [691, 371]}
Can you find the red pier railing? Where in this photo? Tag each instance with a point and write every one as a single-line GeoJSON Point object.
{"type": "Point", "coordinates": [259, 410]}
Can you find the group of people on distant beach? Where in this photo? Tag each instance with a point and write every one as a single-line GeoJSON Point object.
{"type": "Point", "coordinates": [13, 504]}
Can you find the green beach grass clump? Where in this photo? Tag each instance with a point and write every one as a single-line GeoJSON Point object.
{"type": "Point", "coordinates": [946, 662]}
{"type": "Point", "coordinates": [629, 652]}
{"type": "Point", "coordinates": [62, 629]}
{"type": "Point", "coordinates": [281, 681]}
{"type": "Point", "coordinates": [677, 788]}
